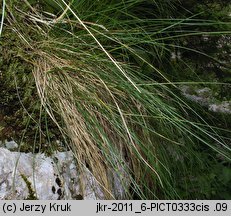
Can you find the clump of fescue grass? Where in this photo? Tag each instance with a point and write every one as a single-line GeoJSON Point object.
{"type": "Point", "coordinates": [87, 59]}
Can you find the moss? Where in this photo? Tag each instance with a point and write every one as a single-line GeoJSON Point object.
{"type": "Point", "coordinates": [21, 114]}
{"type": "Point", "coordinates": [32, 194]}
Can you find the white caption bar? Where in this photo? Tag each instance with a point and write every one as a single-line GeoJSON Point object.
{"type": "Point", "coordinates": [119, 208]}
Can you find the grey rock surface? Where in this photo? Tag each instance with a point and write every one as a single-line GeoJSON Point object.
{"type": "Point", "coordinates": [11, 145]}
{"type": "Point", "coordinates": [204, 97]}
{"type": "Point", "coordinates": [26, 175]}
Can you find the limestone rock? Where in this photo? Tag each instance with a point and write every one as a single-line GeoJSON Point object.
{"type": "Point", "coordinates": [204, 97]}
{"type": "Point", "coordinates": [11, 145]}
{"type": "Point", "coordinates": [36, 176]}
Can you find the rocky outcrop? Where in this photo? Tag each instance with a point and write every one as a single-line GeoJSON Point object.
{"type": "Point", "coordinates": [204, 96]}
{"type": "Point", "coordinates": [36, 176]}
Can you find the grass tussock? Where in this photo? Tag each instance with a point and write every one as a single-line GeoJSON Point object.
{"type": "Point", "coordinates": [91, 67]}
